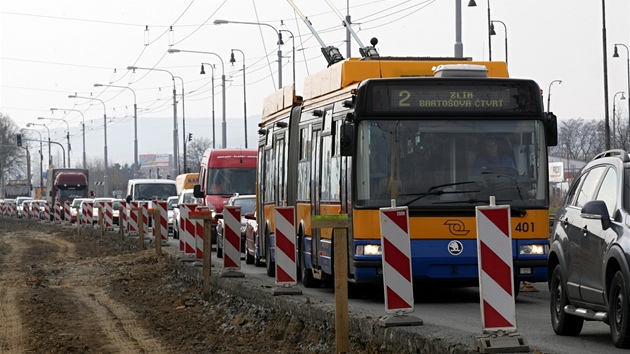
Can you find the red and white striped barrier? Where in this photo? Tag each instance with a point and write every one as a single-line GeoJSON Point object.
{"type": "Point", "coordinates": [13, 210]}
{"type": "Point", "coordinates": [108, 215]}
{"type": "Point", "coordinates": [87, 211]}
{"type": "Point", "coordinates": [122, 216]}
{"type": "Point", "coordinates": [67, 212]}
{"type": "Point", "coordinates": [162, 222]}
{"type": "Point", "coordinates": [286, 271]}
{"type": "Point", "coordinates": [144, 208]}
{"type": "Point", "coordinates": [45, 212]}
{"type": "Point", "coordinates": [35, 210]}
{"type": "Point", "coordinates": [3, 208]}
{"type": "Point", "coordinates": [57, 211]}
{"type": "Point", "coordinates": [134, 216]}
{"type": "Point", "coordinates": [496, 277]}
{"type": "Point", "coordinates": [396, 255]}
{"type": "Point", "coordinates": [231, 237]}
{"type": "Point", "coordinates": [188, 229]}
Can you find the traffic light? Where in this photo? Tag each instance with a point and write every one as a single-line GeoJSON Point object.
{"type": "Point", "coordinates": [18, 139]}
{"type": "Point", "coordinates": [189, 136]}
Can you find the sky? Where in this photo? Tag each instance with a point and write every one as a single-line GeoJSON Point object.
{"type": "Point", "coordinates": [52, 49]}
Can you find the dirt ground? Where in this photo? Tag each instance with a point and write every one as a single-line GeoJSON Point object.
{"type": "Point", "coordinates": [62, 294]}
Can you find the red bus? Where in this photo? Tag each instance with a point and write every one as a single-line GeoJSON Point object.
{"type": "Point", "coordinates": [224, 172]}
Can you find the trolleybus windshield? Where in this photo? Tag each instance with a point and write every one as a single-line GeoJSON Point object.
{"type": "Point", "coordinates": [450, 163]}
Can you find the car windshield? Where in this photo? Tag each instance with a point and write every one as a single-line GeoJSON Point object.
{"type": "Point", "coordinates": [246, 204]}
{"type": "Point", "coordinates": [189, 198]}
{"type": "Point", "coordinates": [155, 191]}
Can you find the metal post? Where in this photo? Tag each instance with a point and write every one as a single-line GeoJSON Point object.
{"type": "Point", "coordinates": [459, 47]}
{"type": "Point", "coordinates": [245, 93]}
{"type": "Point", "coordinates": [607, 123]}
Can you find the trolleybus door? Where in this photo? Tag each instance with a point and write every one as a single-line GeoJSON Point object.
{"type": "Point", "coordinates": [316, 179]}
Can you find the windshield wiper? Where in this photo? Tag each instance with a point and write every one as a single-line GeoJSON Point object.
{"type": "Point", "coordinates": [514, 211]}
{"type": "Point", "coordinates": [436, 190]}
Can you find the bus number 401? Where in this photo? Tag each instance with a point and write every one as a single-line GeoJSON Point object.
{"type": "Point", "coordinates": [525, 227]}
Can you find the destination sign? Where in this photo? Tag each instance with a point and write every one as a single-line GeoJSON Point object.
{"type": "Point", "coordinates": [459, 98]}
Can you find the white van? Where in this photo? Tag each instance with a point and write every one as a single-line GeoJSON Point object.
{"type": "Point", "coordinates": [150, 189]}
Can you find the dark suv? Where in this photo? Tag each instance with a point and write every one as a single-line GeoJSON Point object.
{"type": "Point", "coordinates": [590, 251]}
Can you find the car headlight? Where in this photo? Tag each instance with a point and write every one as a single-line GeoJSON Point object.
{"type": "Point", "coordinates": [368, 250]}
{"type": "Point", "coordinates": [533, 249]}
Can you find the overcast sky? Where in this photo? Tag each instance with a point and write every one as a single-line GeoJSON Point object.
{"type": "Point", "coordinates": [52, 49]}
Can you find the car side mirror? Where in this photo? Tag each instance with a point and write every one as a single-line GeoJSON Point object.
{"type": "Point", "coordinates": [250, 216]}
{"type": "Point", "coordinates": [197, 191]}
{"type": "Point", "coordinates": [128, 199]}
{"type": "Point", "coordinates": [596, 210]}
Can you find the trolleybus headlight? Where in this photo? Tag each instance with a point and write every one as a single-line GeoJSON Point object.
{"type": "Point", "coordinates": [368, 250]}
{"type": "Point", "coordinates": [532, 249]}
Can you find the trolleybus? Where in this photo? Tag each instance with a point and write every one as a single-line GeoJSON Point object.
{"type": "Point", "coordinates": [416, 132]}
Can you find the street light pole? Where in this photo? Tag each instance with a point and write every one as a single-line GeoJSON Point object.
{"type": "Point", "coordinates": [203, 72]}
{"type": "Point", "coordinates": [67, 136]}
{"type": "Point", "coordinates": [106, 167]}
{"type": "Point", "coordinates": [82, 123]}
{"type": "Point", "coordinates": [232, 60]}
{"type": "Point", "coordinates": [135, 126]}
{"type": "Point", "coordinates": [614, 118]}
{"type": "Point", "coordinates": [472, 3]}
{"type": "Point", "coordinates": [175, 138]}
{"type": "Point", "coordinates": [616, 55]}
{"type": "Point", "coordinates": [280, 42]}
{"type": "Point", "coordinates": [224, 124]}
{"type": "Point", "coordinates": [49, 153]}
{"type": "Point", "coordinates": [41, 160]}
{"type": "Point", "coordinates": [506, 37]}
{"type": "Point", "coordinates": [549, 94]}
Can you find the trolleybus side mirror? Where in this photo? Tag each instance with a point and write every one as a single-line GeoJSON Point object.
{"type": "Point", "coordinates": [552, 129]}
{"type": "Point", "coordinates": [347, 134]}
{"type": "Point", "coordinates": [197, 191]}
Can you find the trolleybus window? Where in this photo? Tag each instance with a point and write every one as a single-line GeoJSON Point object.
{"type": "Point", "coordinates": [430, 163]}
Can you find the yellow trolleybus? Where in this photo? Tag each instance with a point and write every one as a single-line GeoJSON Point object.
{"type": "Point", "coordinates": [437, 135]}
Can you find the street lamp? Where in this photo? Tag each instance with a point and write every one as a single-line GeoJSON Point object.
{"type": "Point", "coordinates": [616, 55]}
{"type": "Point", "coordinates": [82, 123]}
{"type": "Point", "coordinates": [67, 136]}
{"type": "Point", "coordinates": [293, 50]}
{"type": "Point", "coordinates": [223, 127]}
{"type": "Point", "coordinates": [49, 154]}
{"type": "Point", "coordinates": [105, 172]}
{"type": "Point", "coordinates": [549, 94]}
{"type": "Point", "coordinates": [41, 159]}
{"type": "Point", "coordinates": [203, 72]}
{"type": "Point", "coordinates": [280, 42]}
{"type": "Point", "coordinates": [135, 125]}
{"type": "Point", "coordinates": [492, 32]}
{"type": "Point", "coordinates": [614, 117]}
{"type": "Point", "coordinates": [175, 140]}
{"type": "Point", "coordinates": [233, 60]}
{"type": "Point", "coordinates": [472, 3]}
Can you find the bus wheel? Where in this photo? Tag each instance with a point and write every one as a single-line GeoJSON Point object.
{"type": "Point", "coordinates": [270, 265]}
{"type": "Point", "coordinates": [307, 275]}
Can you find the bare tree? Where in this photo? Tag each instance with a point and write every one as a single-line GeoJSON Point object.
{"type": "Point", "coordinates": [12, 157]}
{"type": "Point", "coordinates": [194, 153]}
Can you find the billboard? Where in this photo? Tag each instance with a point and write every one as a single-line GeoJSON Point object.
{"type": "Point", "coordinates": [154, 160]}
{"type": "Point", "coordinates": [556, 171]}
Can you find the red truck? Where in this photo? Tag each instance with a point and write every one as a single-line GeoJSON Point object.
{"type": "Point", "coordinates": [65, 184]}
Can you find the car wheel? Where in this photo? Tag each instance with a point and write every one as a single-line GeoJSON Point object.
{"type": "Point", "coordinates": [269, 264]}
{"type": "Point", "coordinates": [307, 275]}
{"type": "Point", "coordinates": [619, 311]}
{"type": "Point", "coordinates": [563, 323]}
